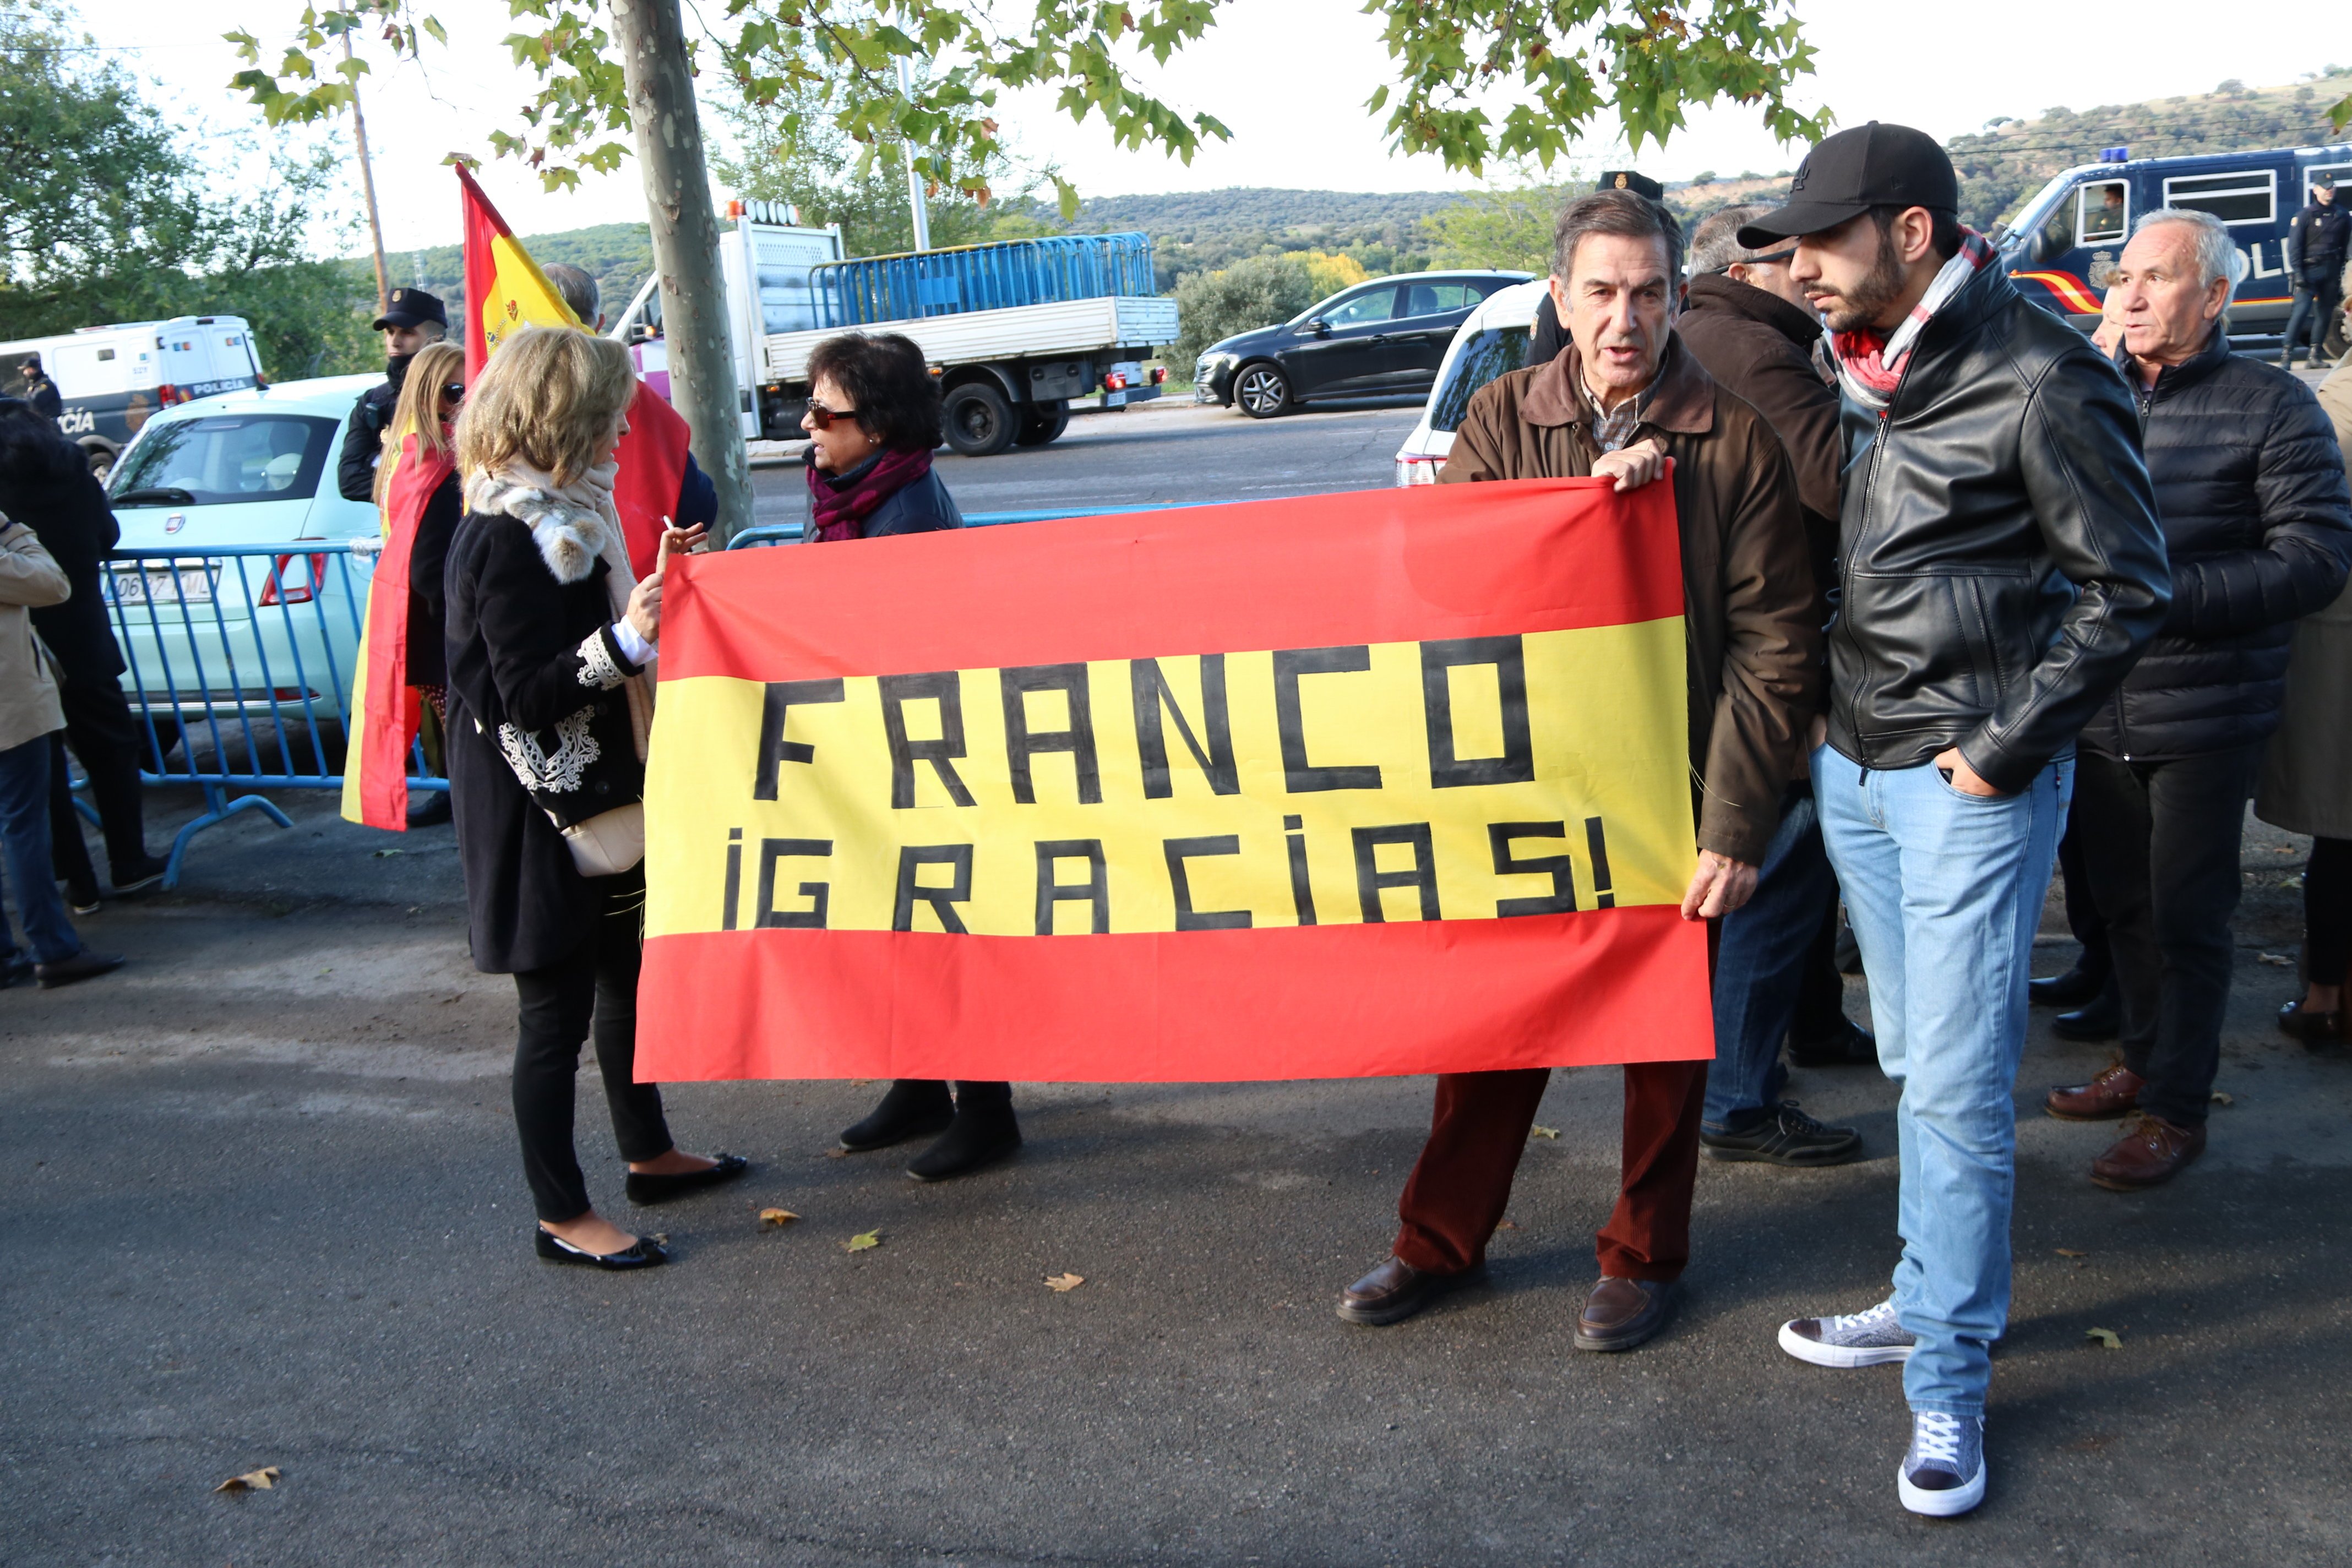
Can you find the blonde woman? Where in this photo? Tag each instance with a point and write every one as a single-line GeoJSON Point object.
{"type": "Point", "coordinates": [551, 642]}
{"type": "Point", "coordinates": [417, 491]}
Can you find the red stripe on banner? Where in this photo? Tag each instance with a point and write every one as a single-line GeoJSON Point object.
{"type": "Point", "coordinates": [1393, 565]}
{"type": "Point", "coordinates": [1357, 1001]}
{"type": "Point", "coordinates": [481, 223]}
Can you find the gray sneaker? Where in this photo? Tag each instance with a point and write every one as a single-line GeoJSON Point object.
{"type": "Point", "coordinates": [1944, 1473]}
{"type": "Point", "coordinates": [1861, 1339]}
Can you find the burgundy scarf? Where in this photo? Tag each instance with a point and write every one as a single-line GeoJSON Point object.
{"type": "Point", "coordinates": [841, 513]}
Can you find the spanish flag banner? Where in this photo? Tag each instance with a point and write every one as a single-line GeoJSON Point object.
{"type": "Point", "coordinates": [388, 708]}
{"type": "Point", "coordinates": [505, 290]}
{"type": "Point", "coordinates": [1386, 783]}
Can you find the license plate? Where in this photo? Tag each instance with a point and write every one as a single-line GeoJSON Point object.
{"type": "Point", "coordinates": [163, 585]}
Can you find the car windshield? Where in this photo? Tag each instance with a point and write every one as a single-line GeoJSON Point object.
{"type": "Point", "coordinates": [223, 457]}
{"type": "Point", "coordinates": [1477, 360]}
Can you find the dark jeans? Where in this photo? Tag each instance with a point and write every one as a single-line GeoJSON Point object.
{"type": "Point", "coordinates": [2315, 307]}
{"type": "Point", "coordinates": [1456, 1195]}
{"type": "Point", "coordinates": [2161, 839]}
{"type": "Point", "coordinates": [2082, 916]}
{"type": "Point", "coordinates": [1761, 965]}
{"type": "Point", "coordinates": [2328, 911]}
{"type": "Point", "coordinates": [105, 738]}
{"type": "Point", "coordinates": [24, 834]}
{"type": "Point", "coordinates": [555, 1006]}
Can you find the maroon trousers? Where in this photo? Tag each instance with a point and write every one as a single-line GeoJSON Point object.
{"type": "Point", "coordinates": [1455, 1196]}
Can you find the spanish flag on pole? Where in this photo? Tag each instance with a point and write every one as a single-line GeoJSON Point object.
{"type": "Point", "coordinates": [1376, 784]}
{"type": "Point", "coordinates": [505, 291]}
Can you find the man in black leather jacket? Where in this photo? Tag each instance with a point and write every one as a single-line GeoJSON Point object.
{"type": "Point", "coordinates": [2256, 521]}
{"type": "Point", "coordinates": [2000, 569]}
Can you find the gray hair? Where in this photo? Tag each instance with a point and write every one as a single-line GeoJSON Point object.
{"type": "Point", "coordinates": [1620, 213]}
{"type": "Point", "coordinates": [1716, 245]}
{"type": "Point", "coordinates": [578, 289]}
{"type": "Point", "coordinates": [2218, 256]}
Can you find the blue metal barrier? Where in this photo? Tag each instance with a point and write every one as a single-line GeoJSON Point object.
{"type": "Point", "coordinates": [240, 660]}
{"type": "Point", "coordinates": [949, 282]}
{"type": "Point", "coordinates": [790, 532]}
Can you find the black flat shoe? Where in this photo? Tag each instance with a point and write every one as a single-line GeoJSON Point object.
{"type": "Point", "coordinates": [2100, 1018]}
{"type": "Point", "coordinates": [642, 1253]}
{"type": "Point", "coordinates": [649, 1187]}
{"type": "Point", "coordinates": [138, 876]}
{"type": "Point", "coordinates": [976, 1139]}
{"type": "Point", "coordinates": [2071, 989]}
{"type": "Point", "coordinates": [914, 1108]}
{"type": "Point", "coordinates": [82, 965]}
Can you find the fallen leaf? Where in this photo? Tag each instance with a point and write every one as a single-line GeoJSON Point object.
{"type": "Point", "coordinates": [836, 1153]}
{"type": "Point", "coordinates": [865, 1240]}
{"type": "Point", "coordinates": [1509, 1224]}
{"type": "Point", "coordinates": [2108, 1339]}
{"type": "Point", "coordinates": [2069, 1252]}
{"type": "Point", "coordinates": [259, 1480]}
{"type": "Point", "coordinates": [2279, 959]}
{"type": "Point", "coordinates": [382, 854]}
{"type": "Point", "coordinates": [2222, 1099]}
{"type": "Point", "coordinates": [1064, 1282]}
{"type": "Point", "coordinates": [1541, 1132]}
{"type": "Point", "coordinates": [777, 1217]}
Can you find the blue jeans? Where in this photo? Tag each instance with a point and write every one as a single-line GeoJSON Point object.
{"type": "Point", "coordinates": [24, 834]}
{"type": "Point", "coordinates": [1759, 965]}
{"type": "Point", "coordinates": [1944, 891]}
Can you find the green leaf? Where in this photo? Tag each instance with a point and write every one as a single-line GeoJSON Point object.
{"type": "Point", "coordinates": [2107, 1339]}
{"type": "Point", "coordinates": [864, 1241]}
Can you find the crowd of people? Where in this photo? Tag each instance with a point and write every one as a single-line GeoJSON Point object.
{"type": "Point", "coordinates": [1970, 597]}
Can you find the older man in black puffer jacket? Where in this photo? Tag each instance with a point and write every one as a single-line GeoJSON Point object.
{"type": "Point", "coordinates": [2249, 488]}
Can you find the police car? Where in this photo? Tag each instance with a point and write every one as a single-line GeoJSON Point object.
{"type": "Point", "coordinates": [114, 379]}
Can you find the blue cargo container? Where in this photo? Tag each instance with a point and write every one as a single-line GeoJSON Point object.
{"type": "Point", "coordinates": [875, 288]}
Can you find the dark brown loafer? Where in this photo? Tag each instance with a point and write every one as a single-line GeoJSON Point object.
{"type": "Point", "coordinates": [2105, 1098]}
{"type": "Point", "coordinates": [1621, 1313]}
{"type": "Point", "coordinates": [2152, 1152]}
{"type": "Point", "coordinates": [2310, 1029]}
{"type": "Point", "coordinates": [1396, 1290]}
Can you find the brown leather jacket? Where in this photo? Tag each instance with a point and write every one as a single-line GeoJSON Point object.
{"type": "Point", "coordinates": [1754, 645]}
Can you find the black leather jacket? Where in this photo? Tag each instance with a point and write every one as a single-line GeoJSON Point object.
{"type": "Point", "coordinates": [1999, 563]}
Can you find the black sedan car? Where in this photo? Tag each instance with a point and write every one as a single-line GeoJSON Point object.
{"type": "Point", "coordinates": [1381, 339]}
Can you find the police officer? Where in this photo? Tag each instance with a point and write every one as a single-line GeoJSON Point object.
{"type": "Point", "coordinates": [413, 320]}
{"type": "Point", "coordinates": [39, 390]}
{"type": "Point", "coordinates": [2316, 246]}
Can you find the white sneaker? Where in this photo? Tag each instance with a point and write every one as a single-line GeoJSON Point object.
{"type": "Point", "coordinates": [1861, 1339]}
{"type": "Point", "coordinates": [1944, 1473]}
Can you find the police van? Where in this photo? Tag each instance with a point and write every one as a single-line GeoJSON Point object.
{"type": "Point", "coordinates": [112, 378]}
{"type": "Point", "coordinates": [2063, 245]}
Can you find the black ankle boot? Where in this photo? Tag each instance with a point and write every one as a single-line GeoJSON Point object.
{"type": "Point", "coordinates": [983, 1133]}
{"type": "Point", "coordinates": [915, 1107]}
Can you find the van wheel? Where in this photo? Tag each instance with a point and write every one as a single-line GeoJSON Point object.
{"type": "Point", "coordinates": [1042, 423]}
{"type": "Point", "coordinates": [1262, 390]}
{"type": "Point", "coordinates": [101, 462]}
{"type": "Point", "coordinates": [980, 422]}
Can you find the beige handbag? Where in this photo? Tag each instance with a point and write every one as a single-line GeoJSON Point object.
{"type": "Point", "coordinates": [608, 842]}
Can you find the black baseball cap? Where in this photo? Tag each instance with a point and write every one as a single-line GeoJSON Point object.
{"type": "Point", "coordinates": [1855, 170]}
{"type": "Point", "coordinates": [412, 308]}
{"type": "Point", "coordinates": [1628, 180]}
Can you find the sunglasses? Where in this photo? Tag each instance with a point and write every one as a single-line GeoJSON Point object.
{"type": "Point", "coordinates": [822, 418]}
{"type": "Point", "coordinates": [454, 389]}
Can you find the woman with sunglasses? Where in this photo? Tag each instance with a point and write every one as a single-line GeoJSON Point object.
{"type": "Point", "coordinates": [873, 418]}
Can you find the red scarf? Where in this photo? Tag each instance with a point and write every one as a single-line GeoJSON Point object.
{"type": "Point", "coordinates": [841, 513]}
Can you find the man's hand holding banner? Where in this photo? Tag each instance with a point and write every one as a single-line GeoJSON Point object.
{"type": "Point", "coordinates": [1385, 783]}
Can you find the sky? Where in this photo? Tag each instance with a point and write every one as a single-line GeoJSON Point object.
{"type": "Point", "coordinates": [1290, 78]}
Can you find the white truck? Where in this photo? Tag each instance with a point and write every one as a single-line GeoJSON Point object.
{"type": "Point", "coordinates": [112, 378]}
{"type": "Point", "coordinates": [1015, 331]}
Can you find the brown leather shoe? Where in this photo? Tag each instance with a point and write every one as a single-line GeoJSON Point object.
{"type": "Point", "coordinates": [2152, 1152]}
{"type": "Point", "coordinates": [1396, 1290]}
{"type": "Point", "coordinates": [2310, 1029]}
{"type": "Point", "coordinates": [2105, 1098]}
{"type": "Point", "coordinates": [1621, 1313]}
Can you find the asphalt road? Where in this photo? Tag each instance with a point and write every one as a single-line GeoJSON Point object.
{"type": "Point", "coordinates": [1166, 451]}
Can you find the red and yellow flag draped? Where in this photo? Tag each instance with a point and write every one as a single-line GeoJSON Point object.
{"type": "Point", "coordinates": [375, 768]}
{"type": "Point", "coordinates": [1384, 783]}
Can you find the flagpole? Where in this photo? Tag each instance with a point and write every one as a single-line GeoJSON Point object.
{"type": "Point", "coordinates": [367, 183]}
{"type": "Point", "coordinates": [914, 203]}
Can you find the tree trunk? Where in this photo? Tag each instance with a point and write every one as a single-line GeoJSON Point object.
{"type": "Point", "coordinates": [686, 249]}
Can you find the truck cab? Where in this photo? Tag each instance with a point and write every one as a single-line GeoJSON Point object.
{"type": "Point", "coordinates": [2061, 250]}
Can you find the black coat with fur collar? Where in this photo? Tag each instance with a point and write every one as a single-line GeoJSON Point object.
{"type": "Point", "coordinates": [535, 686]}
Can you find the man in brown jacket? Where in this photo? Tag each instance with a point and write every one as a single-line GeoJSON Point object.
{"type": "Point", "coordinates": [1621, 400]}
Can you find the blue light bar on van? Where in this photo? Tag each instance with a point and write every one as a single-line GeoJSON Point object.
{"type": "Point", "coordinates": [2114, 154]}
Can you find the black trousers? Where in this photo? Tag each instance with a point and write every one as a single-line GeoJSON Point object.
{"type": "Point", "coordinates": [2314, 308]}
{"type": "Point", "coordinates": [555, 1009]}
{"type": "Point", "coordinates": [2160, 840]}
{"type": "Point", "coordinates": [2328, 911]}
{"type": "Point", "coordinates": [1821, 989]}
{"type": "Point", "coordinates": [105, 737]}
{"type": "Point", "coordinates": [2082, 916]}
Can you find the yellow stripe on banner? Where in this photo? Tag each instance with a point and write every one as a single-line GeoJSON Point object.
{"type": "Point", "coordinates": [520, 296]}
{"type": "Point", "coordinates": [1387, 796]}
